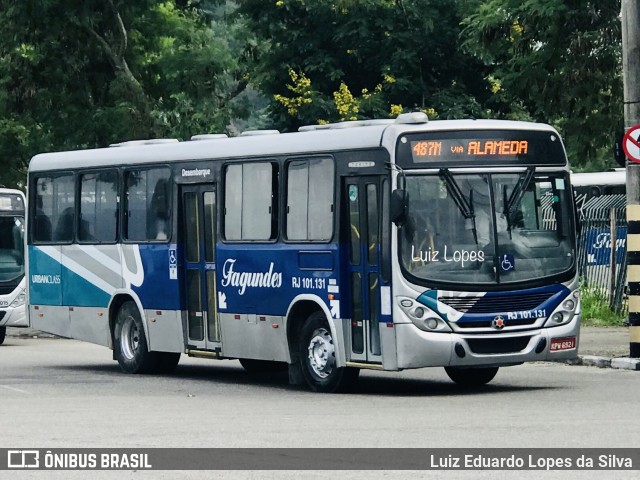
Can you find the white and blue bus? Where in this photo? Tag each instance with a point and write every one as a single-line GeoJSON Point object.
{"type": "Point", "coordinates": [12, 261]}
{"type": "Point", "coordinates": [382, 244]}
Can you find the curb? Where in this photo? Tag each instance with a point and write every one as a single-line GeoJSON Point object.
{"type": "Point", "coordinates": [620, 363]}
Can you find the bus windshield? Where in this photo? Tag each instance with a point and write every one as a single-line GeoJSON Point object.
{"type": "Point", "coordinates": [487, 228]}
{"type": "Point", "coordinates": [11, 249]}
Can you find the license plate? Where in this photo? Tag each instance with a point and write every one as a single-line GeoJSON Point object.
{"type": "Point", "coordinates": [565, 343]}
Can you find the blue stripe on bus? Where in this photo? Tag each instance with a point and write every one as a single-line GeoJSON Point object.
{"type": "Point", "coordinates": [554, 294]}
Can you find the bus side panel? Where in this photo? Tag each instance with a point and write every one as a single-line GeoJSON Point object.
{"type": "Point", "coordinates": [151, 271]}
{"type": "Point", "coordinates": [164, 331]}
{"type": "Point", "coordinates": [256, 285]}
{"type": "Point", "coordinates": [88, 285]}
{"type": "Point", "coordinates": [45, 291]}
{"type": "Point", "coordinates": [89, 277]}
{"type": "Point", "coordinates": [260, 337]}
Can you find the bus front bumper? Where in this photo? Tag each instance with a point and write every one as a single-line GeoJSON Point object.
{"type": "Point", "coordinates": [13, 317]}
{"type": "Point", "coordinates": [417, 348]}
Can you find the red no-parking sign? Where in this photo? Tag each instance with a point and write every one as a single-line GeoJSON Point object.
{"type": "Point", "coordinates": [631, 144]}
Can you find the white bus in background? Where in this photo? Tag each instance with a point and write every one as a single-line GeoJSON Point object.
{"type": "Point", "coordinates": [595, 184]}
{"type": "Point", "coordinates": [12, 283]}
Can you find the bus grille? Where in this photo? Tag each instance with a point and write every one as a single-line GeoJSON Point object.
{"type": "Point", "coordinates": [496, 303]}
{"type": "Point", "coordinates": [498, 345]}
{"type": "Point", "coordinates": [520, 322]}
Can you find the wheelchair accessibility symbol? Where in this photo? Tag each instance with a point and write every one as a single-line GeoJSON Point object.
{"type": "Point", "coordinates": [173, 264]}
{"type": "Point", "coordinates": [507, 262]}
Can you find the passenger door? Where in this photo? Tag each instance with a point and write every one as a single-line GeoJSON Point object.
{"type": "Point", "coordinates": [362, 199]}
{"type": "Point", "coordinates": [199, 227]}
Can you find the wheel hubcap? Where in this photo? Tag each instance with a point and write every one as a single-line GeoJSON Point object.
{"type": "Point", "coordinates": [129, 339]}
{"type": "Point", "coordinates": [322, 357]}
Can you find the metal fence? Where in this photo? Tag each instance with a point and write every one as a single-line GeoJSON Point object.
{"type": "Point", "coordinates": [596, 246]}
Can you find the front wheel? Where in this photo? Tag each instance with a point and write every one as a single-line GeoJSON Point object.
{"type": "Point", "coordinates": [130, 343]}
{"type": "Point", "coordinates": [471, 377]}
{"type": "Point", "coordinates": [318, 357]}
{"type": "Point", "coordinates": [3, 334]}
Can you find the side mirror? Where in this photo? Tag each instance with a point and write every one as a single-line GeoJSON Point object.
{"type": "Point", "coordinates": [399, 206]}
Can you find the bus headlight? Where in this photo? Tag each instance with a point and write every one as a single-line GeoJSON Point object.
{"type": "Point", "coordinates": [565, 312]}
{"type": "Point", "coordinates": [422, 317]}
{"type": "Point", "coordinates": [19, 300]}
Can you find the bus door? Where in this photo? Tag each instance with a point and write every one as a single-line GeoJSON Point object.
{"type": "Point", "coordinates": [199, 226]}
{"type": "Point", "coordinates": [362, 199]}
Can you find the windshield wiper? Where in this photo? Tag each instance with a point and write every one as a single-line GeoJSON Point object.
{"type": "Point", "coordinates": [465, 206]}
{"type": "Point", "coordinates": [518, 192]}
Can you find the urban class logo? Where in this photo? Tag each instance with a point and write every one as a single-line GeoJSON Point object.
{"type": "Point", "coordinates": [49, 279]}
{"type": "Point", "coordinates": [242, 280]}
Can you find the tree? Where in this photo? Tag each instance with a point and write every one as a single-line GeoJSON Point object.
{"type": "Point", "coordinates": [87, 73]}
{"type": "Point", "coordinates": [382, 52]}
{"type": "Point", "coordinates": [559, 59]}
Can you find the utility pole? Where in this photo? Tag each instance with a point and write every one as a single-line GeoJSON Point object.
{"type": "Point", "coordinates": [631, 75]}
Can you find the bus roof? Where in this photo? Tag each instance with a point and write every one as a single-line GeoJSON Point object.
{"type": "Point", "coordinates": [311, 139]}
{"type": "Point", "coordinates": [613, 177]}
{"type": "Point", "coordinates": [11, 200]}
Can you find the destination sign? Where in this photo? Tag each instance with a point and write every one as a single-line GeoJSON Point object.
{"type": "Point", "coordinates": [469, 147]}
{"type": "Point", "coordinates": [486, 148]}
{"type": "Point", "coordinates": [11, 202]}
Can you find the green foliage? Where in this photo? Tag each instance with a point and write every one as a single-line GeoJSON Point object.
{"type": "Point", "coordinates": [596, 310]}
{"type": "Point", "coordinates": [359, 44]}
{"type": "Point", "coordinates": [87, 73]}
{"type": "Point", "coordinates": [560, 60]}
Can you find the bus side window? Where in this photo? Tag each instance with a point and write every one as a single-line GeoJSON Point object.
{"type": "Point", "coordinates": [42, 227]}
{"type": "Point", "coordinates": [147, 205]}
{"type": "Point", "coordinates": [251, 201]}
{"type": "Point", "coordinates": [64, 226]}
{"type": "Point", "coordinates": [310, 186]}
{"type": "Point", "coordinates": [159, 210]}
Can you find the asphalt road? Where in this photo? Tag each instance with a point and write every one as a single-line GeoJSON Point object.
{"type": "Point", "coordinates": [57, 393]}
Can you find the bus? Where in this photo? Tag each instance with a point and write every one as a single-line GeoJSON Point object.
{"type": "Point", "coordinates": [595, 184]}
{"type": "Point", "coordinates": [12, 261]}
{"type": "Point", "coordinates": [376, 244]}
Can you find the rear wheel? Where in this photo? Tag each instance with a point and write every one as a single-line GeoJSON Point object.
{"type": "Point", "coordinates": [318, 357]}
{"type": "Point", "coordinates": [471, 377]}
{"type": "Point", "coordinates": [130, 343]}
{"type": "Point", "coordinates": [3, 334]}
{"type": "Point", "coordinates": [262, 366]}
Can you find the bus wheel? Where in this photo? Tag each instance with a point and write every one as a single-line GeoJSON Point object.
{"type": "Point", "coordinates": [262, 366]}
{"type": "Point", "coordinates": [3, 334]}
{"type": "Point", "coordinates": [471, 377]}
{"type": "Point", "coordinates": [318, 356]}
{"type": "Point", "coordinates": [130, 344]}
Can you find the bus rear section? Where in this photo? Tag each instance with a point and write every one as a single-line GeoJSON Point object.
{"type": "Point", "coordinates": [12, 261]}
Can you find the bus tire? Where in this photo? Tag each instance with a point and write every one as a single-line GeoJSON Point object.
{"type": "Point", "coordinates": [166, 362]}
{"type": "Point", "coordinates": [318, 357]}
{"type": "Point", "coordinates": [471, 377]}
{"type": "Point", "coordinates": [130, 343]}
{"type": "Point", "coordinates": [262, 366]}
{"type": "Point", "coordinates": [3, 334]}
